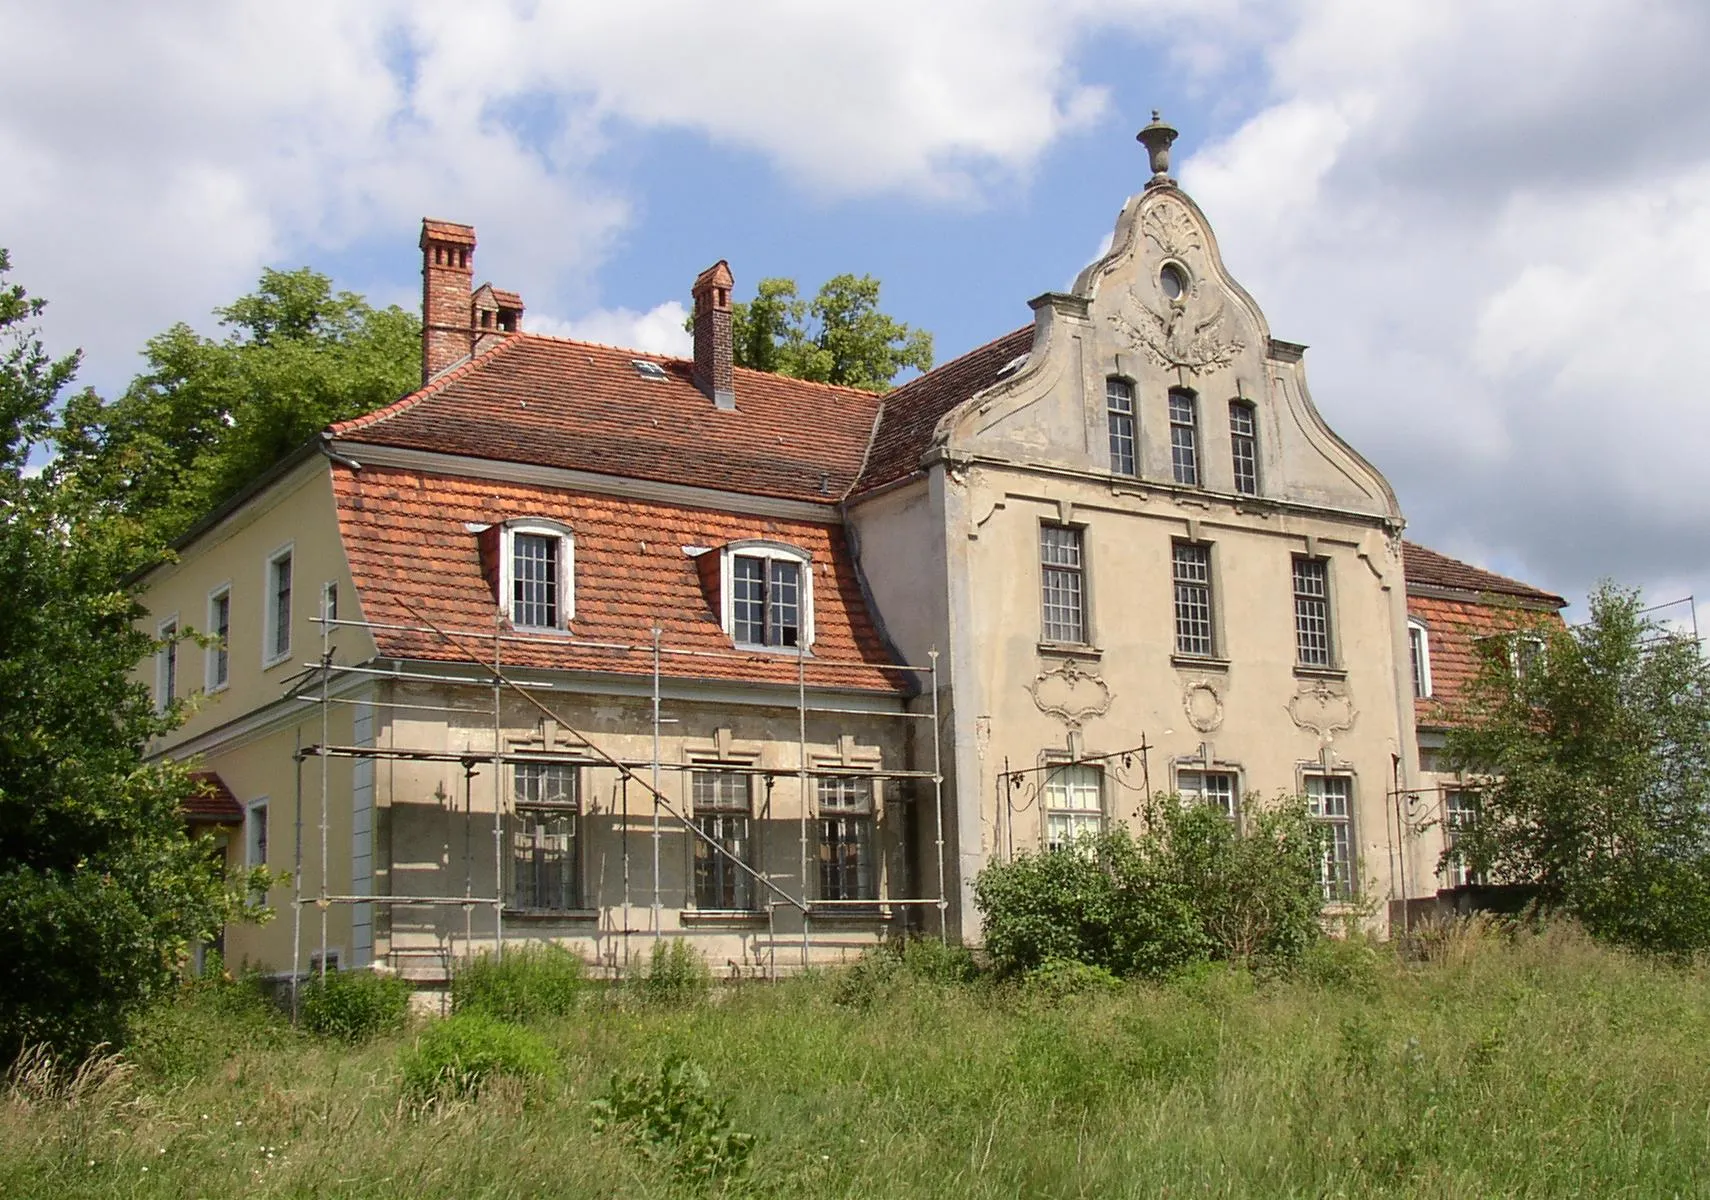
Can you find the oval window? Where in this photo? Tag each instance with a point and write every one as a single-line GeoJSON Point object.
{"type": "Point", "coordinates": [1172, 281]}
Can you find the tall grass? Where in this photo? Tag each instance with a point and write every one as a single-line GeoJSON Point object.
{"type": "Point", "coordinates": [1545, 1066]}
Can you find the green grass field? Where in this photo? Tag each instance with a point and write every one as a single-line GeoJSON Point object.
{"type": "Point", "coordinates": [1546, 1067]}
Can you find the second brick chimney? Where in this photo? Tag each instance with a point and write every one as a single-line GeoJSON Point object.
{"type": "Point", "coordinates": [448, 267]}
{"type": "Point", "coordinates": [714, 370]}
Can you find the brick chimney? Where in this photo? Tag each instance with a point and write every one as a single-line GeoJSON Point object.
{"type": "Point", "coordinates": [448, 320]}
{"type": "Point", "coordinates": [497, 315]}
{"type": "Point", "coordinates": [714, 352]}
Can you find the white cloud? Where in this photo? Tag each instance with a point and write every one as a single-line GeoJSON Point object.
{"type": "Point", "coordinates": [1493, 222]}
{"type": "Point", "coordinates": [659, 330]}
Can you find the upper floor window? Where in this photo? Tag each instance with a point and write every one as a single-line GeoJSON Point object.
{"type": "Point", "coordinates": [1419, 652]}
{"type": "Point", "coordinates": [537, 573]}
{"type": "Point", "coordinates": [1119, 404]}
{"type": "Point", "coordinates": [1192, 569]}
{"type": "Point", "coordinates": [219, 667]}
{"type": "Point", "coordinates": [166, 664]}
{"type": "Point", "coordinates": [1244, 447]}
{"type": "Point", "coordinates": [768, 595]}
{"type": "Point", "coordinates": [255, 834]}
{"type": "Point", "coordinates": [1184, 436]}
{"type": "Point", "coordinates": [1460, 814]}
{"type": "Point", "coordinates": [1062, 582]}
{"type": "Point", "coordinates": [276, 640]}
{"type": "Point", "coordinates": [1330, 801]}
{"type": "Point", "coordinates": [1074, 804]}
{"type": "Point", "coordinates": [846, 854]}
{"type": "Point", "coordinates": [545, 861]}
{"type": "Point", "coordinates": [1214, 789]}
{"type": "Point", "coordinates": [1312, 612]}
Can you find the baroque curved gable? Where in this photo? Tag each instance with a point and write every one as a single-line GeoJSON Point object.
{"type": "Point", "coordinates": [1159, 312]}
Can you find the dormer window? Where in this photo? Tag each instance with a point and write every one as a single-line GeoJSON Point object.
{"type": "Point", "coordinates": [537, 573]}
{"type": "Point", "coordinates": [768, 595]}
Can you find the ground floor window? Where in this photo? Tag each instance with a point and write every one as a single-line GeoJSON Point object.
{"type": "Point", "coordinates": [1215, 789]}
{"type": "Point", "coordinates": [1331, 803]}
{"type": "Point", "coordinates": [723, 814]}
{"type": "Point", "coordinates": [544, 842]}
{"type": "Point", "coordinates": [1074, 804]}
{"type": "Point", "coordinates": [1460, 812]}
{"type": "Point", "coordinates": [846, 855]}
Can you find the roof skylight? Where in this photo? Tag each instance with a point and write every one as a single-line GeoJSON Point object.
{"type": "Point", "coordinates": [646, 369]}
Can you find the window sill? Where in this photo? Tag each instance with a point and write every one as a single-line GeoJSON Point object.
{"type": "Point", "coordinates": [552, 914]}
{"type": "Point", "coordinates": [779, 651]}
{"type": "Point", "coordinates": [1200, 662]}
{"type": "Point", "coordinates": [721, 916]}
{"type": "Point", "coordinates": [542, 630]}
{"type": "Point", "coordinates": [876, 910]}
{"type": "Point", "coordinates": [1071, 649]}
{"type": "Point", "coordinates": [1305, 672]}
{"type": "Point", "coordinates": [217, 688]}
{"type": "Point", "coordinates": [267, 664]}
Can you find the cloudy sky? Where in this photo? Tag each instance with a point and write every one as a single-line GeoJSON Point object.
{"type": "Point", "coordinates": [1490, 219]}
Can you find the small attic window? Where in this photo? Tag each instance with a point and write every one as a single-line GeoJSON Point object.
{"type": "Point", "coordinates": [1012, 366]}
{"type": "Point", "coordinates": [646, 369]}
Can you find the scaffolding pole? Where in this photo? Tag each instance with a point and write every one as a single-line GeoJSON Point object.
{"type": "Point", "coordinates": [498, 792]}
{"type": "Point", "coordinates": [802, 776]}
{"type": "Point", "coordinates": [326, 716]}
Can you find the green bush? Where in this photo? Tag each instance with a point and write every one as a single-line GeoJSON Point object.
{"type": "Point", "coordinates": [1060, 978]}
{"type": "Point", "coordinates": [524, 985]}
{"type": "Point", "coordinates": [671, 1116]}
{"type": "Point", "coordinates": [459, 1055]}
{"type": "Point", "coordinates": [676, 974]}
{"type": "Point", "coordinates": [1190, 887]}
{"type": "Point", "coordinates": [935, 961]}
{"type": "Point", "coordinates": [190, 1032]}
{"type": "Point", "coordinates": [353, 1006]}
{"type": "Point", "coordinates": [882, 969]}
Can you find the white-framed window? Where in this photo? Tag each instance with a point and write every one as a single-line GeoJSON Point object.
{"type": "Point", "coordinates": [276, 631]}
{"type": "Point", "coordinates": [1460, 813]}
{"type": "Point", "coordinates": [1062, 578]}
{"type": "Point", "coordinates": [166, 663]}
{"type": "Point", "coordinates": [1419, 652]}
{"type": "Point", "coordinates": [1528, 649]}
{"type": "Point", "coordinates": [537, 573]}
{"type": "Point", "coordinates": [768, 595]}
{"type": "Point", "coordinates": [847, 858]}
{"type": "Point", "coordinates": [1330, 800]}
{"type": "Point", "coordinates": [217, 659]}
{"type": "Point", "coordinates": [1313, 647]}
{"type": "Point", "coordinates": [255, 834]}
{"type": "Point", "coordinates": [723, 812]}
{"type": "Point", "coordinates": [1074, 804]}
{"type": "Point", "coordinates": [1215, 789]}
{"type": "Point", "coordinates": [329, 600]}
{"type": "Point", "coordinates": [1184, 436]}
{"type": "Point", "coordinates": [1119, 408]}
{"type": "Point", "coordinates": [545, 842]}
{"type": "Point", "coordinates": [1244, 446]}
{"type": "Point", "coordinates": [1191, 566]}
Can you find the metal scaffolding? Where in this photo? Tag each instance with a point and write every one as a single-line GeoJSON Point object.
{"type": "Point", "coordinates": [315, 687]}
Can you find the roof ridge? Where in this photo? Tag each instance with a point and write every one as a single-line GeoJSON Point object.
{"type": "Point", "coordinates": [437, 383]}
{"type": "Point", "coordinates": [661, 356]}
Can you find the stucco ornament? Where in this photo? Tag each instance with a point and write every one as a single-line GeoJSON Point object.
{"type": "Point", "coordinates": [1186, 332]}
{"type": "Point", "coordinates": [1203, 704]}
{"type": "Point", "coordinates": [1318, 708]}
{"type": "Point", "coordinates": [1068, 693]}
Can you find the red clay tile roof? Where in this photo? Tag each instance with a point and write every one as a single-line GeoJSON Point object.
{"type": "Point", "coordinates": [1452, 632]}
{"type": "Point", "coordinates": [211, 802]}
{"type": "Point", "coordinates": [1424, 566]}
{"type": "Point", "coordinates": [406, 539]}
{"type": "Point", "coordinates": [910, 413]}
{"type": "Point", "coordinates": [448, 231]}
{"type": "Point", "coordinates": [506, 299]}
{"type": "Point", "coordinates": [578, 405]}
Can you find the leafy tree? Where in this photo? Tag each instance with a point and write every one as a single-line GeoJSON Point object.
{"type": "Point", "coordinates": [1597, 752]}
{"type": "Point", "coordinates": [209, 416]}
{"type": "Point", "coordinates": [838, 337]}
{"type": "Point", "coordinates": [100, 885]}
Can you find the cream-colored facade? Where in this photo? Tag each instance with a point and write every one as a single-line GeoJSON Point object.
{"type": "Point", "coordinates": [1140, 559]}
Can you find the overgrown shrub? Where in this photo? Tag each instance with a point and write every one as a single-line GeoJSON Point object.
{"type": "Point", "coordinates": [888, 966]}
{"type": "Point", "coordinates": [206, 1020]}
{"type": "Point", "coordinates": [353, 1006]}
{"type": "Point", "coordinates": [524, 985]}
{"type": "Point", "coordinates": [672, 1117]}
{"type": "Point", "coordinates": [1060, 978]}
{"type": "Point", "coordinates": [936, 961]}
{"type": "Point", "coordinates": [1191, 886]}
{"type": "Point", "coordinates": [676, 974]}
{"type": "Point", "coordinates": [459, 1055]}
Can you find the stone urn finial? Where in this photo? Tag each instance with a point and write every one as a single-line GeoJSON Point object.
{"type": "Point", "coordinates": [1157, 138]}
